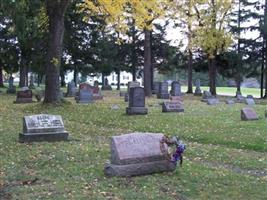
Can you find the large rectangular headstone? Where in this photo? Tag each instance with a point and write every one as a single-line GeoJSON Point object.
{"type": "Point", "coordinates": [24, 96]}
{"type": "Point", "coordinates": [176, 89]}
{"type": "Point", "coordinates": [138, 154]}
{"type": "Point", "coordinates": [43, 128]}
{"type": "Point", "coordinates": [172, 106]}
{"type": "Point", "coordinates": [248, 114]}
{"type": "Point", "coordinates": [163, 91]}
{"type": "Point", "coordinates": [136, 101]}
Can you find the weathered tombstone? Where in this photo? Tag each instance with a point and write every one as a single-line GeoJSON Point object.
{"type": "Point", "coordinates": [163, 91]}
{"type": "Point", "coordinates": [213, 101]}
{"type": "Point", "coordinates": [106, 85]}
{"type": "Point", "coordinates": [136, 102]}
{"type": "Point", "coordinates": [172, 106]}
{"type": "Point", "coordinates": [11, 88]}
{"type": "Point", "coordinates": [248, 114]}
{"type": "Point", "coordinates": [71, 89]}
{"type": "Point", "coordinates": [250, 101]}
{"type": "Point", "coordinates": [84, 96]}
{"type": "Point", "coordinates": [131, 84]}
{"type": "Point", "coordinates": [37, 128]}
{"type": "Point", "coordinates": [31, 86]}
{"type": "Point", "coordinates": [198, 91]}
{"type": "Point", "coordinates": [175, 89]}
{"type": "Point", "coordinates": [206, 95]}
{"type": "Point", "coordinates": [230, 101]}
{"type": "Point", "coordinates": [155, 89]}
{"type": "Point", "coordinates": [240, 99]}
{"type": "Point", "coordinates": [138, 154]}
{"type": "Point", "coordinates": [24, 96]}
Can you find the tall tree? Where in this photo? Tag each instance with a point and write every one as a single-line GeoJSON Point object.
{"type": "Point", "coordinates": [55, 12]}
{"type": "Point", "coordinates": [211, 33]}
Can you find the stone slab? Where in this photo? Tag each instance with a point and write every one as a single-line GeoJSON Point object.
{"type": "Point", "coordinates": [42, 137]}
{"type": "Point", "coordinates": [212, 101]}
{"type": "Point", "coordinates": [172, 106]}
{"type": "Point", "coordinates": [139, 168]}
{"type": "Point", "coordinates": [248, 114]}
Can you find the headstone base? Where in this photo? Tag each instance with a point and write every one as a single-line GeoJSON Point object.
{"type": "Point", "coordinates": [163, 96]}
{"type": "Point", "coordinates": [136, 110]}
{"type": "Point", "coordinates": [139, 168]}
{"type": "Point", "coordinates": [42, 137]}
{"type": "Point", "coordinates": [23, 100]}
{"type": "Point", "coordinates": [172, 110]}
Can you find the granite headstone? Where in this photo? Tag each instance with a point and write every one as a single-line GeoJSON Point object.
{"type": "Point", "coordinates": [24, 96]}
{"type": "Point", "coordinates": [248, 114]}
{"type": "Point", "coordinates": [175, 89]}
{"type": "Point", "coordinates": [136, 102]}
{"type": "Point", "coordinates": [198, 91]}
{"type": "Point", "coordinates": [37, 128]}
{"type": "Point", "coordinates": [138, 154]}
{"type": "Point", "coordinates": [163, 91]}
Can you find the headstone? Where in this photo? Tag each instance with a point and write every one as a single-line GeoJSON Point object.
{"type": "Point", "coordinates": [106, 85]}
{"type": "Point", "coordinates": [207, 95]}
{"type": "Point", "coordinates": [138, 154]}
{"type": "Point", "coordinates": [39, 94]}
{"type": "Point", "coordinates": [156, 86]}
{"type": "Point", "coordinates": [24, 96]}
{"type": "Point", "coordinates": [31, 86]}
{"type": "Point", "coordinates": [248, 114]}
{"type": "Point", "coordinates": [37, 128]}
{"type": "Point", "coordinates": [163, 91]}
{"type": "Point", "coordinates": [172, 106]}
{"type": "Point", "coordinates": [250, 101]}
{"type": "Point", "coordinates": [132, 84]}
{"type": "Point", "coordinates": [198, 91]}
{"type": "Point", "coordinates": [71, 89]}
{"type": "Point", "coordinates": [230, 101]}
{"type": "Point", "coordinates": [136, 102]}
{"type": "Point", "coordinates": [11, 88]}
{"type": "Point", "coordinates": [84, 96]}
{"type": "Point", "coordinates": [213, 101]}
{"type": "Point", "coordinates": [175, 89]}
{"type": "Point", "coordinates": [240, 99]}
{"type": "Point", "coordinates": [93, 89]}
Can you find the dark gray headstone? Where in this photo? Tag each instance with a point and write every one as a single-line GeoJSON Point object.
{"type": "Point", "coordinates": [163, 91]}
{"type": "Point", "coordinates": [136, 101]}
{"type": "Point", "coordinates": [156, 86]}
{"type": "Point", "coordinates": [132, 84]}
{"type": "Point", "coordinates": [175, 89]}
{"type": "Point", "coordinates": [172, 106]}
{"type": "Point", "coordinates": [138, 154]}
{"type": "Point", "coordinates": [43, 128]}
{"type": "Point", "coordinates": [213, 101]}
{"type": "Point", "coordinates": [24, 96]}
{"type": "Point", "coordinates": [248, 114]}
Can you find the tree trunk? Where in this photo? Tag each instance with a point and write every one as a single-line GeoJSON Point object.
{"type": "Point", "coordinates": [190, 73]}
{"type": "Point", "coordinates": [1, 77]}
{"type": "Point", "coordinates": [238, 83]}
{"type": "Point", "coordinates": [103, 79]}
{"type": "Point", "coordinates": [147, 64]}
{"type": "Point", "coordinates": [212, 75]}
{"type": "Point", "coordinates": [75, 75]}
{"type": "Point", "coordinates": [55, 11]}
{"type": "Point", "coordinates": [23, 71]}
{"type": "Point", "coordinates": [265, 47]}
{"type": "Point", "coordinates": [62, 79]}
{"type": "Point", "coordinates": [118, 80]}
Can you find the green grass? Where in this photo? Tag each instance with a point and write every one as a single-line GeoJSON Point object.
{"type": "Point", "coordinates": [225, 157]}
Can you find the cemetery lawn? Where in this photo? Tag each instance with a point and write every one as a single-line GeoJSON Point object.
{"type": "Point", "coordinates": [226, 158]}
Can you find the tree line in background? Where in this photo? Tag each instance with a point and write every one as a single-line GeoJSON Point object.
{"type": "Point", "coordinates": [50, 37]}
